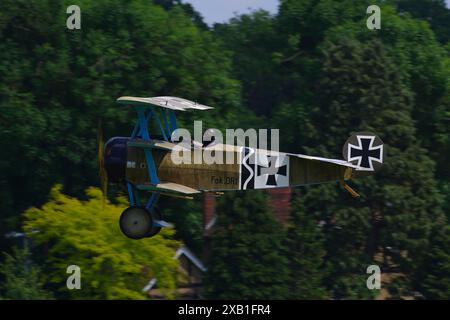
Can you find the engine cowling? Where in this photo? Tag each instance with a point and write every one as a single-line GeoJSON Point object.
{"type": "Point", "coordinates": [115, 158]}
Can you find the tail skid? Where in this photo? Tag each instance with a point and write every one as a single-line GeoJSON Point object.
{"type": "Point", "coordinates": [353, 193]}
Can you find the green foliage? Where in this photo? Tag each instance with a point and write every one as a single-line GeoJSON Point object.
{"type": "Point", "coordinates": [187, 8]}
{"type": "Point", "coordinates": [433, 11]}
{"type": "Point", "coordinates": [247, 260]}
{"type": "Point", "coordinates": [362, 90]}
{"type": "Point", "coordinates": [22, 278]}
{"type": "Point", "coordinates": [253, 39]}
{"type": "Point", "coordinates": [433, 280]}
{"type": "Point", "coordinates": [87, 234]}
{"type": "Point", "coordinates": [305, 251]}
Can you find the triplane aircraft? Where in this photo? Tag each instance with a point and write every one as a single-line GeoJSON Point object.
{"type": "Point", "coordinates": [144, 163]}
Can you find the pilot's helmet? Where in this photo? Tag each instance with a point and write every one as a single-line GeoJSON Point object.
{"type": "Point", "coordinates": [209, 137]}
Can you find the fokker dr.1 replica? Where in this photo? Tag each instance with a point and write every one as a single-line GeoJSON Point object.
{"type": "Point", "coordinates": [144, 163]}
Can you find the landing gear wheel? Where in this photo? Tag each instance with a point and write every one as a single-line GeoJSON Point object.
{"type": "Point", "coordinates": [136, 222]}
{"type": "Point", "coordinates": [156, 215]}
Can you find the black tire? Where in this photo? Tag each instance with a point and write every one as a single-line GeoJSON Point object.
{"type": "Point", "coordinates": [136, 222]}
{"type": "Point", "coordinates": [156, 215]}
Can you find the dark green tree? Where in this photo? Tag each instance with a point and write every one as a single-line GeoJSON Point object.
{"type": "Point", "coordinates": [305, 252]}
{"type": "Point", "coordinates": [253, 41]}
{"type": "Point", "coordinates": [434, 11]}
{"type": "Point", "coordinates": [247, 250]}
{"type": "Point", "coordinates": [391, 223]}
{"type": "Point", "coordinates": [188, 9]}
{"type": "Point", "coordinates": [433, 279]}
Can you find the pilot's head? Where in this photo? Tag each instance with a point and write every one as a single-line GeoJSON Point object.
{"type": "Point", "coordinates": [209, 137]}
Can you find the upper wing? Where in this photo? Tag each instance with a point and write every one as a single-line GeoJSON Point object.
{"type": "Point", "coordinates": [173, 103]}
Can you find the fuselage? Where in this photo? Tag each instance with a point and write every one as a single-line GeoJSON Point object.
{"type": "Point", "coordinates": [216, 167]}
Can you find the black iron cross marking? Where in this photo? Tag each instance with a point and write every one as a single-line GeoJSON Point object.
{"type": "Point", "coordinates": [272, 171]}
{"type": "Point", "coordinates": [365, 153]}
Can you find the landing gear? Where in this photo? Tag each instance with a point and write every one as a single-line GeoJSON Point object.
{"type": "Point", "coordinates": [137, 223]}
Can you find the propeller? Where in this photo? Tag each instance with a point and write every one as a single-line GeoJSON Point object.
{"type": "Point", "coordinates": [103, 177]}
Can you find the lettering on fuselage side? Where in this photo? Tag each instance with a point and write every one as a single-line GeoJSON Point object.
{"type": "Point", "coordinates": [223, 180]}
{"type": "Point", "coordinates": [131, 164]}
{"type": "Point", "coordinates": [261, 171]}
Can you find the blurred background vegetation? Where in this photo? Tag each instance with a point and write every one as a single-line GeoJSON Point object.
{"type": "Point", "coordinates": [313, 70]}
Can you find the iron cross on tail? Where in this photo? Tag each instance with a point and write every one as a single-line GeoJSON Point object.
{"type": "Point", "coordinates": [148, 164]}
